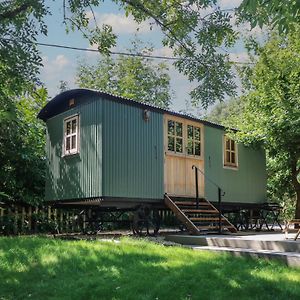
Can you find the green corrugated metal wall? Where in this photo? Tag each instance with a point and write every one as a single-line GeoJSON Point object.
{"type": "Point", "coordinates": [80, 175]}
{"type": "Point", "coordinates": [133, 157]}
{"type": "Point", "coordinates": [132, 151]}
{"type": "Point", "coordinates": [247, 184]}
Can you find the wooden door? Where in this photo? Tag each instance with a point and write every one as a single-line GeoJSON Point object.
{"type": "Point", "coordinates": [179, 177]}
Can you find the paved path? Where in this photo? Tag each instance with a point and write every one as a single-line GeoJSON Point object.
{"type": "Point", "coordinates": [266, 245]}
{"type": "Point", "coordinates": [290, 258]}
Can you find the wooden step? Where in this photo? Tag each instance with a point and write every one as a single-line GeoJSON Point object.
{"type": "Point", "coordinates": [180, 215]}
{"type": "Point", "coordinates": [184, 211]}
{"type": "Point", "coordinates": [231, 228]}
{"type": "Point", "coordinates": [200, 211]}
{"type": "Point", "coordinates": [206, 219]}
{"type": "Point", "coordinates": [207, 227]}
{"type": "Point", "coordinates": [188, 203]}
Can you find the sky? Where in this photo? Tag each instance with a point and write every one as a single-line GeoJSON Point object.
{"type": "Point", "coordinates": [60, 64]}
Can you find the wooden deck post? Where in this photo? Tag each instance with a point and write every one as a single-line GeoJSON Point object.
{"type": "Point", "coordinates": [67, 222]}
{"type": "Point", "coordinates": [55, 220]}
{"type": "Point", "coordinates": [61, 220]}
{"type": "Point", "coordinates": [30, 218]}
{"type": "Point", "coordinates": [49, 213]}
{"type": "Point", "coordinates": [73, 221]}
{"type": "Point", "coordinates": [36, 211]}
{"type": "Point", "coordinates": [84, 220]}
{"type": "Point", "coordinates": [23, 219]}
{"type": "Point", "coordinates": [16, 220]}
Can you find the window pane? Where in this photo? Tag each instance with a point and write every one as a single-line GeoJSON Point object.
{"type": "Point", "coordinates": [232, 145]}
{"type": "Point", "coordinates": [197, 149]}
{"type": "Point", "coordinates": [73, 144]}
{"type": "Point", "coordinates": [227, 157]}
{"type": "Point", "coordinates": [171, 127]}
{"type": "Point", "coordinates": [227, 144]}
{"type": "Point", "coordinates": [68, 140]}
{"type": "Point", "coordinates": [74, 126]}
{"type": "Point", "coordinates": [190, 132]}
{"type": "Point", "coordinates": [178, 129]}
{"type": "Point", "coordinates": [190, 147]}
{"type": "Point", "coordinates": [197, 133]}
{"type": "Point", "coordinates": [179, 145]}
{"type": "Point", "coordinates": [171, 143]}
{"type": "Point", "coordinates": [68, 126]}
{"type": "Point", "coordinates": [233, 157]}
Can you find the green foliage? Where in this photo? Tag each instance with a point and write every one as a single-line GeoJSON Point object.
{"type": "Point", "coordinates": [131, 77]}
{"type": "Point", "coordinates": [279, 14]}
{"type": "Point", "coordinates": [272, 109]}
{"type": "Point", "coordinates": [40, 268]}
{"type": "Point", "coordinates": [63, 86]}
{"type": "Point", "coordinates": [7, 223]}
{"type": "Point", "coordinates": [21, 136]}
{"type": "Point", "coordinates": [224, 112]}
{"type": "Point", "coordinates": [20, 22]}
{"type": "Point", "coordinates": [22, 155]}
{"type": "Point", "coordinates": [195, 30]}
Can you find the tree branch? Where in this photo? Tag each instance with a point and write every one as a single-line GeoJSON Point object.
{"type": "Point", "coordinates": [13, 13]}
{"type": "Point", "coordinates": [170, 33]}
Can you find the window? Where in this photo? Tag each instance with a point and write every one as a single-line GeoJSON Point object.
{"type": "Point", "coordinates": [193, 140]}
{"type": "Point", "coordinates": [175, 136]}
{"type": "Point", "coordinates": [230, 153]}
{"type": "Point", "coordinates": [71, 132]}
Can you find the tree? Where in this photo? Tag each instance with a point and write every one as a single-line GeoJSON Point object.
{"type": "Point", "coordinates": [277, 14]}
{"type": "Point", "coordinates": [224, 112]}
{"type": "Point", "coordinates": [195, 38]}
{"type": "Point", "coordinates": [22, 155]}
{"type": "Point", "coordinates": [131, 77]}
{"type": "Point", "coordinates": [196, 30]}
{"type": "Point", "coordinates": [63, 86]}
{"type": "Point", "coordinates": [272, 106]}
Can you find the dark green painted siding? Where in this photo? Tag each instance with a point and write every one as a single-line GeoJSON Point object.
{"type": "Point", "coordinates": [247, 184]}
{"type": "Point", "coordinates": [79, 175]}
{"type": "Point", "coordinates": [132, 151]}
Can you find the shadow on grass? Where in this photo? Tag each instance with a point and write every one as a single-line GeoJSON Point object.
{"type": "Point", "coordinates": [37, 268]}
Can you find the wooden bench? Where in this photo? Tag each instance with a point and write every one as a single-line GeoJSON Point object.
{"type": "Point", "coordinates": [287, 227]}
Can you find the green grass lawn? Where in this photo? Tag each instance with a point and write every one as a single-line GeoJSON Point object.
{"type": "Point", "coordinates": [40, 268]}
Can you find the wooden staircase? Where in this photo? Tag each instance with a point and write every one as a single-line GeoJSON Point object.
{"type": "Point", "coordinates": [204, 219]}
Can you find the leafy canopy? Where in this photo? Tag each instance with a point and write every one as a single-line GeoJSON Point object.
{"type": "Point", "coordinates": [131, 77]}
{"type": "Point", "coordinates": [277, 14]}
{"type": "Point", "coordinates": [271, 114]}
{"type": "Point", "coordinates": [197, 31]}
{"type": "Point", "coordinates": [22, 155]}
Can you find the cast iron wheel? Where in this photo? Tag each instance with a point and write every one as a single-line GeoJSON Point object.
{"type": "Point", "coordinates": [146, 221]}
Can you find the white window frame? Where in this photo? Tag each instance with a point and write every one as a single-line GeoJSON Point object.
{"type": "Point", "coordinates": [230, 165]}
{"type": "Point", "coordinates": [70, 135]}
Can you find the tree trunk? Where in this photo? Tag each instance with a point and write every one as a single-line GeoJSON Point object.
{"type": "Point", "coordinates": [297, 213]}
{"type": "Point", "coordinates": [296, 184]}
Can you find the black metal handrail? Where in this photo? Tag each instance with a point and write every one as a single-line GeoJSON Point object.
{"type": "Point", "coordinates": [220, 194]}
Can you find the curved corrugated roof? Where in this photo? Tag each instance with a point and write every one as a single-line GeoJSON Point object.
{"type": "Point", "coordinates": [60, 104]}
